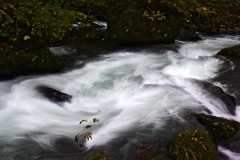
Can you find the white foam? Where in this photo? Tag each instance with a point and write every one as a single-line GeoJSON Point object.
{"type": "Point", "coordinates": [125, 90]}
{"type": "Point", "coordinates": [208, 47]}
{"type": "Point", "coordinates": [231, 155]}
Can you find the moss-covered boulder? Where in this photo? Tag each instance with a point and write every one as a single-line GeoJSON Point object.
{"type": "Point", "coordinates": [192, 145]}
{"type": "Point", "coordinates": [219, 128]}
{"type": "Point", "coordinates": [14, 63]}
{"type": "Point", "coordinates": [142, 22]}
{"type": "Point", "coordinates": [230, 51]}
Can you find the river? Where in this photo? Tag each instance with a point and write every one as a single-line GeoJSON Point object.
{"type": "Point", "coordinates": [138, 93]}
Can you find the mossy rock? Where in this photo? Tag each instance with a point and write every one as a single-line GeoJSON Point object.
{"type": "Point", "coordinates": [192, 145]}
{"type": "Point", "coordinates": [219, 128]}
{"type": "Point", "coordinates": [14, 63]}
{"type": "Point", "coordinates": [133, 22]}
{"type": "Point", "coordinates": [230, 51]}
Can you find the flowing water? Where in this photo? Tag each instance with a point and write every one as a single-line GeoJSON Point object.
{"type": "Point", "coordinates": [138, 94]}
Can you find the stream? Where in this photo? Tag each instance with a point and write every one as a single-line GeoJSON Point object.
{"type": "Point", "coordinates": [138, 93]}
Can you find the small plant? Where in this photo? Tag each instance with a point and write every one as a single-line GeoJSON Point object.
{"type": "Point", "coordinates": [84, 134]}
{"type": "Point", "coordinates": [192, 145]}
{"type": "Point", "coordinates": [154, 15]}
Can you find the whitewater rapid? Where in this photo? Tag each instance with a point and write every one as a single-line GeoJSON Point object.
{"type": "Point", "coordinates": [127, 90]}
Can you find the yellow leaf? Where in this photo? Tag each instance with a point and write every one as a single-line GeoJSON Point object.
{"type": "Point", "coordinates": [204, 8]}
{"type": "Point", "coordinates": [26, 37]}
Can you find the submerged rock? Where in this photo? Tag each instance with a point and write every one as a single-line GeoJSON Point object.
{"type": "Point", "coordinates": [230, 51]}
{"type": "Point", "coordinates": [53, 94]}
{"type": "Point", "coordinates": [219, 128]}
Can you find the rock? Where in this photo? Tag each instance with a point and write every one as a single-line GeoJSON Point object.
{"type": "Point", "coordinates": [230, 51]}
{"type": "Point", "coordinates": [132, 22]}
{"type": "Point", "coordinates": [188, 35]}
{"type": "Point", "coordinates": [218, 95]}
{"type": "Point", "coordinates": [233, 143]}
{"type": "Point", "coordinates": [53, 94]}
{"type": "Point", "coordinates": [22, 62]}
{"type": "Point", "coordinates": [219, 128]}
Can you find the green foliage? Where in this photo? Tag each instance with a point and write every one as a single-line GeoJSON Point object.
{"type": "Point", "coordinates": [84, 134]}
{"type": "Point", "coordinates": [192, 145]}
{"type": "Point", "coordinates": [22, 62]}
{"type": "Point", "coordinates": [154, 15]}
{"type": "Point", "coordinates": [28, 26]}
{"type": "Point", "coordinates": [42, 21]}
{"type": "Point", "coordinates": [207, 14]}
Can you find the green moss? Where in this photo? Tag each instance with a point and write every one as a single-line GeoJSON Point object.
{"type": "Point", "coordinates": [192, 145]}
{"type": "Point", "coordinates": [13, 62]}
{"type": "Point", "coordinates": [230, 51]}
{"type": "Point", "coordinates": [219, 128]}
{"type": "Point", "coordinates": [137, 23]}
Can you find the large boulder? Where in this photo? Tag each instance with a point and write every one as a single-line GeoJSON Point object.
{"type": "Point", "coordinates": [137, 22]}
{"type": "Point", "coordinates": [230, 51]}
{"type": "Point", "coordinates": [14, 63]}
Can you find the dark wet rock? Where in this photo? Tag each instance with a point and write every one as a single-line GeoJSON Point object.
{"type": "Point", "coordinates": [219, 128]}
{"type": "Point", "coordinates": [188, 35]}
{"type": "Point", "coordinates": [233, 143]}
{"type": "Point", "coordinates": [230, 51]}
{"type": "Point", "coordinates": [53, 94]}
{"type": "Point", "coordinates": [219, 95]}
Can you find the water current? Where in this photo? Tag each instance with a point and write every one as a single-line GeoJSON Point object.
{"type": "Point", "coordinates": [137, 93]}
